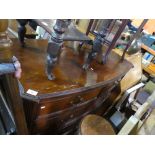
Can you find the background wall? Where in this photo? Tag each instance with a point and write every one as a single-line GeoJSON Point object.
{"type": "Point", "coordinates": [149, 26]}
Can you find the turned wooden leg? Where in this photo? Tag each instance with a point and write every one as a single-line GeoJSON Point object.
{"type": "Point", "coordinates": [54, 46]}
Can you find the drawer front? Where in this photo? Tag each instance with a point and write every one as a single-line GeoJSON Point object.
{"type": "Point", "coordinates": [59, 104]}
{"type": "Point", "coordinates": [56, 122]}
{"type": "Point", "coordinates": [69, 118]}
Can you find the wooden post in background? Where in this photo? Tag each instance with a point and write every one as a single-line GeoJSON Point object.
{"type": "Point", "coordinates": [9, 83]}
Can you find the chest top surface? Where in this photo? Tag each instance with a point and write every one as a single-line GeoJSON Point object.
{"type": "Point", "coordinates": [68, 71]}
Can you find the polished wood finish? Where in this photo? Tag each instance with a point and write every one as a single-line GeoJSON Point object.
{"type": "Point", "coordinates": [61, 104]}
{"type": "Point", "coordinates": [132, 77]}
{"type": "Point", "coordinates": [135, 74]}
{"type": "Point", "coordinates": [3, 25]}
{"type": "Point", "coordinates": [11, 90]}
{"type": "Point", "coordinates": [95, 125]}
{"type": "Point", "coordinates": [9, 84]}
{"type": "Point", "coordinates": [68, 71]}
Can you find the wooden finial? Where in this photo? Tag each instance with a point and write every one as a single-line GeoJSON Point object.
{"type": "Point", "coordinates": [3, 25]}
{"type": "Point", "coordinates": [5, 42]}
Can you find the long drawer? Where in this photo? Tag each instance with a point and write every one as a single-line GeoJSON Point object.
{"type": "Point", "coordinates": [58, 104]}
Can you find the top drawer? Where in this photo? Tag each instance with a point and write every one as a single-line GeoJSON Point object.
{"type": "Point", "coordinates": [53, 105]}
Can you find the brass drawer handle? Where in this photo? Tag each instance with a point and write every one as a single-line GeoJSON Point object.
{"type": "Point", "coordinates": [77, 100]}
